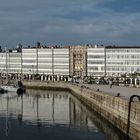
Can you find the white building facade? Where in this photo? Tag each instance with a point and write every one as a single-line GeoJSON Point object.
{"type": "Point", "coordinates": [14, 62]}
{"type": "Point", "coordinates": [44, 57]}
{"type": "Point", "coordinates": [60, 63]}
{"type": "Point", "coordinates": [121, 60]}
{"type": "Point", "coordinates": [29, 61]}
{"type": "Point", "coordinates": [10, 63]}
{"type": "Point", "coordinates": [3, 62]}
{"type": "Point", "coordinates": [96, 61]}
{"type": "Point", "coordinates": [53, 62]}
{"type": "Point", "coordinates": [50, 62]}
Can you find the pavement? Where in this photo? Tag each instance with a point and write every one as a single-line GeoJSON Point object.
{"type": "Point", "coordinates": [125, 92]}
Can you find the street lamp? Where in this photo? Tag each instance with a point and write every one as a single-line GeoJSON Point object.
{"type": "Point", "coordinates": [30, 74]}
{"type": "Point", "coordinates": [1, 74]}
{"type": "Point", "coordinates": [53, 64]}
{"type": "Point", "coordinates": [129, 111]}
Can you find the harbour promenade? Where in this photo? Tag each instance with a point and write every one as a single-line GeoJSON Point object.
{"type": "Point", "coordinates": [125, 92]}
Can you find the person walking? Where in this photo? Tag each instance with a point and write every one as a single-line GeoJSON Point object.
{"type": "Point", "coordinates": [110, 83]}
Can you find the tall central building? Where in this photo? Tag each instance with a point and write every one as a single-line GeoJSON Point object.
{"type": "Point", "coordinates": [78, 61]}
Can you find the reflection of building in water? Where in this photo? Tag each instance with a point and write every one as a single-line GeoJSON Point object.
{"type": "Point", "coordinates": [39, 124]}
{"type": "Point", "coordinates": [20, 115]}
{"type": "Point", "coordinates": [77, 115]}
{"type": "Point", "coordinates": [82, 116]}
{"type": "Point", "coordinates": [50, 107]}
{"type": "Point", "coordinates": [47, 106]}
{"type": "Point", "coordinates": [48, 94]}
{"type": "Point", "coordinates": [7, 118]}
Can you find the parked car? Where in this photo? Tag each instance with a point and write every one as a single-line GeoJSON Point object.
{"type": "Point", "coordinates": [77, 82]}
{"type": "Point", "coordinates": [101, 81]}
{"type": "Point", "coordinates": [98, 82]}
{"type": "Point", "coordinates": [2, 90]}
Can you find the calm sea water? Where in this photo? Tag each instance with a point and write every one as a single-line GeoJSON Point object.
{"type": "Point", "coordinates": [51, 115]}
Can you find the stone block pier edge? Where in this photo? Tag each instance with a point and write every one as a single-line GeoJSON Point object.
{"type": "Point", "coordinates": [114, 109]}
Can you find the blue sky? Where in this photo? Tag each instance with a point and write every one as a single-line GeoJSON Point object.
{"type": "Point", "coordinates": [69, 22]}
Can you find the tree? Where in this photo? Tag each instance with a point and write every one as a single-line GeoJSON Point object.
{"type": "Point", "coordinates": [19, 47]}
{"type": "Point", "coordinates": [38, 44]}
{"type": "Point", "coordinates": [0, 49]}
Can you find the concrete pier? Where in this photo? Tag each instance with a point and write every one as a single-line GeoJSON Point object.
{"type": "Point", "coordinates": [112, 108]}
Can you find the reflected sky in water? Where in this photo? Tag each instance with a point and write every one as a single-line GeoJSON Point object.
{"type": "Point", "coordinates": [50, 115]}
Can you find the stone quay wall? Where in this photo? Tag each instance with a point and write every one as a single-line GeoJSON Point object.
{"type": "Point", "coordinates": [114, 109]}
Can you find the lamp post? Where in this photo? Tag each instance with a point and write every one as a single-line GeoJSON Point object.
{"type": "Point", "coordinates": [125, 79]}
{"type": "Point", "coordinates": [37, 111]}
{"type": "Point", "coordinates": [20, 116]}
{"type": "Point", "coordinates": [90, 78]}
{"type": "Point", "coordinates": [1, 76]}
{"type": "Point", "coordinates": [53, 64]}
{"type": "Point", "coordinates": [30, 74]}
{"type": "Point", "coordinates": [129, 112]}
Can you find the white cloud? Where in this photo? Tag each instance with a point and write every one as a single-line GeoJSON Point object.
{"type": "Point", "coordinates": [65, 20]}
